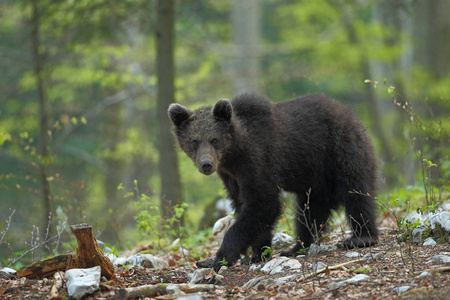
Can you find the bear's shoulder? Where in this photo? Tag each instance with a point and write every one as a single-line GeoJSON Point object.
{"type": "Point", "coordinates": [251, 106]}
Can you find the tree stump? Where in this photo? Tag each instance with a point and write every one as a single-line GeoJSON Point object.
{"type": "Point", "coordinates": [88, 253]}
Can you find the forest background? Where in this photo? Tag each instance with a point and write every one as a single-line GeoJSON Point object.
{"type": "Point", "coordinates": [85, 85]}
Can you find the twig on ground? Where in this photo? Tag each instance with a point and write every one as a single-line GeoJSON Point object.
{"type": "Point", "coordinates": [323, 270]}
{"type": "Point", "coordinates": [153, 290]}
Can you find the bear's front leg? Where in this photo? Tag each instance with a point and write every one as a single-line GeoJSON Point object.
{"type": "Point", "coordinates": [234, 244]}
{"type": "Point", "coordinates": [253, 228]}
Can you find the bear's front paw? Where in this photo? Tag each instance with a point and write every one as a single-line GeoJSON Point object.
{"type": "Point", "coordinates": [224, 260]}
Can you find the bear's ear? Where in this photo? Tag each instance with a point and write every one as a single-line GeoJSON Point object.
{"type": "Point", "coordinates": [178, 113]}
{"type": "Point", "coordinates": [223, 109]}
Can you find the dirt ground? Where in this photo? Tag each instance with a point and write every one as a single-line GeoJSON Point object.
{"type": "Point", "coordinates": [396, 265]}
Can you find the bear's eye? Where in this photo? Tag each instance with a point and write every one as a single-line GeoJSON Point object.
{"type": "Point", "coordinates": [195, 144]}
{"type": "Point", "coordinates": [214, 142]}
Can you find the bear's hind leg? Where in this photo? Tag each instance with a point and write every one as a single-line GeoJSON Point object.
{"type": "Point", "coordinates": [310, 221]}
{"type": "Point", "coordinates": [360, 210]}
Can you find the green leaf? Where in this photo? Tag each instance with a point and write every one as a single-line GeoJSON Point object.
{"type": "Point", "coordinates": [74, 120]}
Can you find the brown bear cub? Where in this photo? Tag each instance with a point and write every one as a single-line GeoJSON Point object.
{"type": "Point", "coordinates": [311, 146]}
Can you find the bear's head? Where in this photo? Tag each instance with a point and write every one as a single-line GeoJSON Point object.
{"type": "Point", "coordinates": [204, 134]}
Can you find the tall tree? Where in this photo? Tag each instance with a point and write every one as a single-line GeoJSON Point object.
{"type": "Point", "coordinates": [38, 60]}
{"type": "Point", "coordinates": [168, 164]}
{"type": "Point", "coordinates": [246, 20]}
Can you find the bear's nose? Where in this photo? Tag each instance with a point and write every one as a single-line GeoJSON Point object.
{"type": "Point", "coordinates": [206, 166]}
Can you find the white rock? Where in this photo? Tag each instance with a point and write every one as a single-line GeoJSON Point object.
{"type": "Point", "coordinates": [417, 233]}
{"type": "Point", "coordinates": [273, 266]}
{"type": "Point", "coordinates": [191, 297]}
{"type": "Point", "coordinates": [445, 206]}
{"type": "Point", "coordinates": [316, 249]}
{"type": "Point", "coordinates": [203, 276]}
{"type": "Point", "coordinates": [147, 261]}
{"type": "Point", "coordinates": [281, 240]}
{"type": "Point", "coordinates": [173, 289]}
{"type": "Point", "coordinates": [401, 289]}
{"type": "Point", "coordinates": [383, 229]}
{"type": "Point", "coordinates": [320, 265]}
{"type": "Point", "coordinates": [440, 259]}
{"type": "Point", "coordinates": [81, 282]}
{"type": "Point", "coordinates": [279, 264]}
{"type": "Point", "coordinates": [353, 254]}
{"type": "Point", "coordinates": [415, 216]}
{"type": "Point", "coordinates": [119, 261]}
{"type": "Point", "coordinates": [354, 280]}
{"type": "Point", "coordinates": [423, 275]}
{"type": "Point", "coordinates": [111, 257]}
{"type": "Point", "coordinates": [252, 268]}
{"type": "Point", "coordinates": [221, 226]}
{"type": "Point", "coordinates": [442, 218]}
{"type": "Point", "coordinates": [268, 281]}
{"type": "Point", "coordinates": [357, 278]}
{"type": "Point", "coordinates": [183, 251]}
{"type": "Point", "coordinates": [429, 242]}
{"type": "Point", "coordinates": [372, 256]}
{"type": "Point", "coordinates": [8, 271]}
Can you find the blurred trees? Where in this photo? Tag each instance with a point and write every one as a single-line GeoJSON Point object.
{"type": "Point", "coordinates": [101, 73]}
{"type": "Point", "coordinates": [168, 162]}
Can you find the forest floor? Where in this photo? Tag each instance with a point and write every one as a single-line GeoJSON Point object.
{"type": "Point", "coordinates": [395, 265]}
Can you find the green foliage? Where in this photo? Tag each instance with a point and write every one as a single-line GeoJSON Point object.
{"type": "Point", "coordinates": [267, 253]}
{"type": "Point", "coordinates": [149, 221]}
{"type": "Point", "coordinates": [224, 262]}
{"type": "Point", "coordinates": [361, 270]}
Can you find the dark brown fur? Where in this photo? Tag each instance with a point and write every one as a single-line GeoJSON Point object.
{"type": "Point", "coordinates": [259, 149]}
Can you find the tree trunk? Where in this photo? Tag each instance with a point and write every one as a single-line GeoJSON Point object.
{"type": "Point", "coordinates": [246, 19]}
{"type": "Point", "coordinates": [431, 32]}
{"type": "Point", "coordinates": [113, 134]}
{"type": "Point", "coordinates": [38, 59]}
{"type": "Point", "coordinates": [168, 164]}
{"type": "Point", "coordinates": [371, 99]}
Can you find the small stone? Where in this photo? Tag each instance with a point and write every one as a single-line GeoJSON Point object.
{"type": "Point", "coordinates": [260, 287]}
{"type": "Point", "coordinates": [320, 265]}
{"type": "Point", "coordinates": [353, 254]}
{"type": "Point", "coordinates": [440, 259]}
{"type": "Point", "coordinates": [266, 282]}
{"type": "Point", "coordinates": [315, 249]}
{"type": "Point", "coordinates": [429, 242]}
{"type": "Point", "coordinates": [222, 270]}
{"type": "Point", "coordinates": [190, 297]}
{"type": "Point", "coordinates": [424, 275]}
{"type": "Point", "coordinates": [8, 271]}
{"type": "Point", "coordinates": [281, 240]}
{"type": "Point", "coordinates": [183, 251]}
{"type": "Point", "coordinates": [372, 256]}
{"type": "Point", "coordinates": [253, 268]}
{"type": "Point", "coordinates": [205, 276]}
{"type": "Point", "coordinates": [119, 261]}
{"type": "Point", "coordinates": [147, 261]}
{"type": "Point", "coordinates": [357, 278]}
{"type": "Point", "coordinates": [417, 233]}
{"type": "Point", "coordinates": [401, 289]}
{"type": "Point", "coordinates": [173, 289]}
{"type": "Point", "coordinates": [383, 229]}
